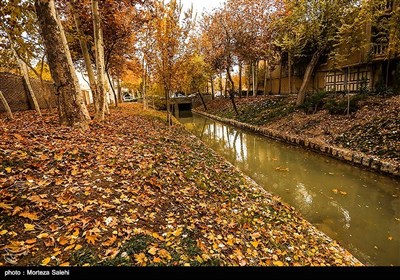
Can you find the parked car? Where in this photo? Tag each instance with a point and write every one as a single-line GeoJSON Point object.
{"type": "Point", "coordinates": [178, 94]}
{"type": "Point", "coordinates": [128, 98]}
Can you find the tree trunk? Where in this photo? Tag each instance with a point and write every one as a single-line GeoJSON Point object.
{"type": "Point", "coordinates": [119, 90]}
{"type": "Point", "coordinates": [202, 100]}
{"type": "Point", "coordinates": [221, 88]}
{"type": "Point", "coordinates": [280, 76]}
{"type": "Point", "coordinates": [240, 80]}
{"type": "Point", "coordinates": [212, 87]}
{"type": "Point", "coordinates": [270, 78]}
{"type": "Point", "coordinates": [248, 80]}
{"type": "Point", "coordinates": [100, 67]}
{"type": "Point", "coordinates": [265, 77]}
{"type": "Point", "coordinates": [256, 78]}
{"type": "Point", "coordinates": [6, 106]}
{"type": "Point", "coordinates": [110, 82]}
{"type": "Point", "coordinates": [301, 96]}
{"type": "Point", "coordinates": [74, 77]}
{"type": "Point", "coordinates": [72, 109]}
{"type": "Point", "coordinates": [86, 57]}
{"type": "Point", "coordinates": [232, 91]}
{"type": "Point", "coordinates": [290, 72]}
{"type": "Point", "coordinates": [25, 73]}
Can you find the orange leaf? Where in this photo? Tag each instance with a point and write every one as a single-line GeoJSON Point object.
{"type": "Point", "coordinates": [110, 241]}
{"type": "Point", "coordinates": [62, 240]}
{"type": "Point", "coordinates": [91, 238]}
{"type": "Point", "coordinates": [65, 264]}
{"type": "Point", "coordinates": [5, 206]}
{"type": "Point", "coordinates": [31, 241]}
{"type": "Point", "coordinates": [31, 216]}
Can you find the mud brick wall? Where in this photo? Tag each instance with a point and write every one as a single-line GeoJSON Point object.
{"type": "Point", "coordinates": [16, 93]}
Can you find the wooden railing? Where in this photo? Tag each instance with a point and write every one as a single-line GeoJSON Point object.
{"type": "Point", "coordinates": [380, 49]}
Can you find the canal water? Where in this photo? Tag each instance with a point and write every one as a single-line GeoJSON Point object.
{"type": "Point", "coordinates": [357, 208]}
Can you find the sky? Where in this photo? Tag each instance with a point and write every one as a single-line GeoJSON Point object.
{"type": "Point", "coordinates": [200, 5]}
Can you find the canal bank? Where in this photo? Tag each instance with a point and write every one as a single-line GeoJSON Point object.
{"type": "Point", "coordinates": [356, 158]}
{"type": "Point", "coordinates": [358, 208]}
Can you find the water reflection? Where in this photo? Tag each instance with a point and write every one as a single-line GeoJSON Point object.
{"type": "Point", "coordinates": [358, 208]}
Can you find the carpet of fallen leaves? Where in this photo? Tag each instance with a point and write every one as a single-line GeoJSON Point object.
{"type": "Point", "coordinates": [374, 129]}
{"type": "Point", "coordinates": [134, 192]}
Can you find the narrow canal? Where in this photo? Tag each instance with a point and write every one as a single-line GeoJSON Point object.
{"type": "Point", "coordinates": [359, 209]}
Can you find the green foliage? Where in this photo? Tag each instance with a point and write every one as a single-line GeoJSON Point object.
{"type": "Point", "coordinates": [340, 107]}
{"type": "Point", "coordinates": [314, 102]}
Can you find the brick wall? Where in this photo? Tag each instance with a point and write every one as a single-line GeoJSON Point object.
{"type": "Point", "coordinates": [14, 89]}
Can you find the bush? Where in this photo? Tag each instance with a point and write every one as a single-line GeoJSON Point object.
{"type": "Point", "coordinates": [339, 107]}
{"type": "Point", "coordinates": [314, 102]}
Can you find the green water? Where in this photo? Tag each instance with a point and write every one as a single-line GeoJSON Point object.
{"type": "Point", "coordinates": [359, 209]}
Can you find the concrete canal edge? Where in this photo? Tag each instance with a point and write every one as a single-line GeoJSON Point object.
{"type": "Point", "coordinates": [356, 158]}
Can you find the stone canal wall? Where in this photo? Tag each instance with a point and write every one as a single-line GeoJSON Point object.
{"type": "Point", "coordinates": [353, 157]}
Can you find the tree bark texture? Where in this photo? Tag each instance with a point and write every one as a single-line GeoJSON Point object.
{"type": "Point", "coordinates": [6, 106]}
{"type": "Point", "coordinates": [72, 110]}
{"type": "Point", "coordinates": [301, 96]}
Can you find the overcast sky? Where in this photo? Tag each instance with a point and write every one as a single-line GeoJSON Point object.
{"type": "Point", "coordinates": [200, 5]}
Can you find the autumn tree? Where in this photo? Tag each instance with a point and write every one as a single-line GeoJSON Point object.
{"type": "Point", "coordinates": [72, 109]}
{"type": "Point", "coordinates": [170, 30]}
{"type": "Point", "coordinates": [315, 24]}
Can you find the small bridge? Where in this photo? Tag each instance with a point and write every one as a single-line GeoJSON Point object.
{"type": "Point", "coordinates": [179, 104]}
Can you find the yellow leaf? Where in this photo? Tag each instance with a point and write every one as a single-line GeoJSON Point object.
{"type": "Point", "coordinates": [58, 157]}
{"type": "Point", "coordinates": [4, 231]}
{"type": "Point", "coordinates": [110, 241]}
{"type": "Point", "coordinates": [29, 227]}
{"type": "Point", "coordinates": [5, 206]}
{"type": "Point", "coordinates": [43, 235]}
{"type": "Point", "coordinates": [76, 232]}
{"type": "Point", "coordinates": [69, 247]}
{"type": "Point", "coordinates": [390, 238]}
{"type": "Point", "coordinates": [156, 260]}
{"type": "Point", "coordinates": [164, 254]}
{"type": "Point", "coordinates": [343, 193]}
{"type": "Point", "coordinates": [31, 216]}
{"type": "Point", "coordinates": [8, 169]}
{"type": "Point", "coordinates": [140, 258]}
{"type": "Point", "coordinates": [199, 259]}
{"type": "Point", "coordinates": [278, 263]}
{"type": "Point", "coordinates": [178, 232]}
{"type": "Point", "coordinates": [335, 191]}
{"type": "Point", "coordinates": [78, 247]}
{"type": "Point", "coordinates": [254, 243]}
{"type": "Point", "coordinates": [46, 261]}
{"type": "Point", "coordinates": [230, 242]}
{"type": "Point", "coordinates": [153, 250]}
{"type": "Point", "coordinates": [31, 241]}
{"type": "Point", "coordinates": [65, 264]}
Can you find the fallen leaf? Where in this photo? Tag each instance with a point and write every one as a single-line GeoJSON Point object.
{"type": "Point", "coordinates": [46, 261]}
{"type": "Point", "coordinates": [29, 227]}
{"type": "Point", "coordinates": [43, 235]}
{"type": "Point", "coordinates": [65, 264]}
{"type": "Point", "coordinates": [4, 231]}
{"type": "Point", "coordinates": [110, 241]}
{"type": "Point", "coordinates": [62, 240]}
{"type": "Point", "coordinates": [140, 258]}
{"type": "Point", "coordinates": [254, 243]}
{"type": "Point", "coordinates": [91, 238]}
{"type": "Point", "coordinates": [31, 241]}
{"type": "Point", "coordinates": [8, 169]}
{"type": "Point", "coordinates": [78, 247]}
{"type": "Point", "coordinates": [278, 263]}
{"type": "Point", "coordinates": [390, 238]}
{"type": "Point", "coordinates": [153, 250]}
{"type": "Point", "coordinates": [5, 206]}
{"type": "Point", "coordinates": [31, 216]}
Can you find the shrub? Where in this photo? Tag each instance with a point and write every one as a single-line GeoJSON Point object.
{"type": "Point", "coordinates": [314, 102]}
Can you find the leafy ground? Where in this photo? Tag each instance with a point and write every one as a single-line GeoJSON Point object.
{"type": "Point", "coordinates": [132, 191]}
{"type": "Point", "coordinates": [373, 129]}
